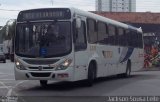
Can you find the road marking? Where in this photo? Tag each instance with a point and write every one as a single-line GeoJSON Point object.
{"type": "Point", "coordinates": [5, 74]}
{"type": "Point", "coordinates": [1, 73]}
{"type": "Point", "coordinates": [9, 93]}
{"type": "Point", "coordinates": [3, 87]}
{"type": "Point", "coordinates": [10, 88]}
{"type": "Point", "coordinates": [7, 80]}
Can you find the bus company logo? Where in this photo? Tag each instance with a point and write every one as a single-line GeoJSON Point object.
{"type": "Point", "coordinates": [40, 68]}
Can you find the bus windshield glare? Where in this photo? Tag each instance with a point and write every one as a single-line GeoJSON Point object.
{"type": "Point", "coordinates": [43, 39]}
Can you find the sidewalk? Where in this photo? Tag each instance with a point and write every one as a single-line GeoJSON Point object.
{"type": "Point", "coordinates": [150, 69]}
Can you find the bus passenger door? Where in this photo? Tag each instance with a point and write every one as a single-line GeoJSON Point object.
{"type": "Point", "coordinates": [121, 50]}
{"type": "Point", "coordinates": [121, 62]}
{"type": "Point", "coordinates": [113, 50]}
{"type": "Point", "coordinates": [80, 47]}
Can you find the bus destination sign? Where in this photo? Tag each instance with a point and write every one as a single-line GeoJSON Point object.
{"type": "Point", "coordinates": [44, 14]}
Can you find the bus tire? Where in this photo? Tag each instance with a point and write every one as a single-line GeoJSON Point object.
{"type": "Point", "coordinates": [43, 83]}
{"type": "Point", "coordinates": [127, 72]}
{"type": "Point", "coordinates": [128, 69]}
{"type": "Point", "coordinates": [91, 74]}
{"type": "Point", "coordinates": [12, 58]}
{"type": "Point", "coordinates": [4, 61]}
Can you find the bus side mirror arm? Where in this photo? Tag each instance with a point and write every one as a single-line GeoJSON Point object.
{"type": "Point", "coordinates": [74, 30]}
{"type": "Point", "coordinates": [75, 35]}
{"type": "Point", "coordinates": [78, 23]}
{"type": "Point", "coordinates": [77, 26]}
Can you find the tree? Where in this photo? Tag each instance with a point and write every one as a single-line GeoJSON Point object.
{"type": "Point", "coordinates": [11, 30]}
{"type": "Point", "coordinates": [2, 34]}
{"type": "Point", "coordinates": [8, 31]}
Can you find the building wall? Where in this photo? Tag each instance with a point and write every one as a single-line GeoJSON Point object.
{"type": "Point", "coordinates": [133, 5]}
{"type": "Point", "coordinates": [133, 17]}
{"type": "Point", "coordinates": [116, 5]}
{"type": "Point", "coordinates": [102, 5]}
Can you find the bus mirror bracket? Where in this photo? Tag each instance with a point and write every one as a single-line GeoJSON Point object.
{"type": "Point", "coordinates": [78, 23]}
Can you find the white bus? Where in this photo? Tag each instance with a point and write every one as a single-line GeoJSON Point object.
{"type": "Point", "coordinates": [67, 44]}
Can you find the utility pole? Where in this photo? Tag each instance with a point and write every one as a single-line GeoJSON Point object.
{"type": "Point", "coordinates": [52, 2]}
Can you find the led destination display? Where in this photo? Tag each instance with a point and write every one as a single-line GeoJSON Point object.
{"type": "Point", "coordinates": [44, 14]}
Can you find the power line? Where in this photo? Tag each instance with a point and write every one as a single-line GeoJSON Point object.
{"type": "Point", "coordinates": [88, 3]}
{"type": "Point", "coordinates": [52, 2]}
{"type": "Point", "coordinates": [8, 10]}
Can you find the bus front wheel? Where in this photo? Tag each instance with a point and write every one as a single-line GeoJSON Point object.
{"type": "Point", "coordinates": [43, 83]}
{"type": "Point", "coordinates": [91, 75]}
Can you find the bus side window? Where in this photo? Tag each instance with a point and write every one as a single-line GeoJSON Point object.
{"type": "Point", "coordinates": [112, 34]}
{"type": "Point", "coordinates": [92, 33]}
{"type": "Point", "coordinates": [140, 40]}
{"type": "Point", "coordinates": [80, 42]}
{"type": "Point", "coordinates": [127, 37]}
{"type": "Point", "coordinates": [121, 37]}
{"type": "Point", "coordinates": [102, 33]}
{"type": "Point", "coordinates": [131, 39]}
{"type": "Point", "coordinates": [134, 38]}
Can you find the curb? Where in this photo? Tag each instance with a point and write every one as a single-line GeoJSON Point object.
{"type": "Point", "coordinates": [150, 69]}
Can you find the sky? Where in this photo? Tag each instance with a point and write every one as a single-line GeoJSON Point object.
{"type": "Point", "coordinates": [9, 8]}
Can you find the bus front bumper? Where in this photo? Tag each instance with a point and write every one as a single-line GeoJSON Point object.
{"type": "Point", "coordinates": [61, 75]}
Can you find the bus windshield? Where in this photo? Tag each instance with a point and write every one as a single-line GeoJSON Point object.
{"type": "Point", "coordinates": [43, 39]}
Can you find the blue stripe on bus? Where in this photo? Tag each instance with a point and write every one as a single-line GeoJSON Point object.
{"type": "Point", "coordinates": [128, 54]}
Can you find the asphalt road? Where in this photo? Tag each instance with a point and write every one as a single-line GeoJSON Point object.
{"type": "Point", "coordinates": [144, 83]}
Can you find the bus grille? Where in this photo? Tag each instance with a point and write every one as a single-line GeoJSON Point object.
{"type": "Point", "coordinates": [36, 68]}
{"type": "Point", "coordinates": [40, 74]}
{"type": "Point", "coordinates": [41, 62]}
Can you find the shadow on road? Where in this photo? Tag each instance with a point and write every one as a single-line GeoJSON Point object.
{"type": "Point", "coordinates": [112, 80]}
{"type": "Point", "coordinates": [64, 86]}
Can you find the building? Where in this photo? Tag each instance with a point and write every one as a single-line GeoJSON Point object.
{"type": "Point", "coordinates": [116, 5]}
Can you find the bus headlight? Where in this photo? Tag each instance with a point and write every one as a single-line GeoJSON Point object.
{"type": "Point", "coordinates": [19, 65]}
{"type": "Point", "coordinates": [64, 65]}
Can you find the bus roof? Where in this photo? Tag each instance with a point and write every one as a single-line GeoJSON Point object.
{"type": "Point", "coordinates": [94, 16]}
{"type": "Point", "coordinates": [104, 19]}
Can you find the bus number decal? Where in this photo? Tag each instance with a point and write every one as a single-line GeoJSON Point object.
{"type": "Point", "coordinates": [107, 54]}
{"type": "Point", "coordinates": [92, 48]}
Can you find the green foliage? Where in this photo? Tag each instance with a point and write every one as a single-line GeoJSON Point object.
{"type": "Point", "coordinates": [11, 32]}
{"type": "Point", "coordinates": [2, 34]}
